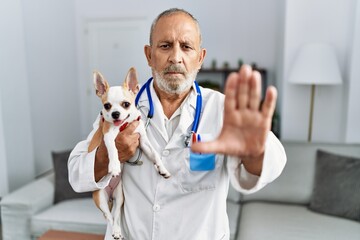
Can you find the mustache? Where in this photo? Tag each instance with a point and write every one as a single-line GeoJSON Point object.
{"type": "Point", "coordinates": [174, 68]}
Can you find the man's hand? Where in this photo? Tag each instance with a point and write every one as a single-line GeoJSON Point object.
{"type": "Point", "coordinates": [126, 142]}
{"type": "Point", "coordinates": [246, 125]}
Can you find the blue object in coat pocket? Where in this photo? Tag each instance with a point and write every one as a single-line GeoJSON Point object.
{"type": "Point", "coordinates": [202, 162]}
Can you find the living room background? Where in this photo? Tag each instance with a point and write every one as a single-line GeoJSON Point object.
{"type": "Point", "coordinates": [44, 64]}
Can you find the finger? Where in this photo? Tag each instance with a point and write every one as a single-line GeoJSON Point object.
{"type": "Point", "coordinates": [207, 147]}
{"type": "Point", "coordinates": [269, 104]}
{"type": "Point", "coordinates": [230, 92]}
{"type": "Point", "coordinates": [243, 86]}
{"type": "Point", "coordinates": [136, 136]}
{"type": "Point", "coordinates": [255, 90]}
{"type": "Point", "coordinates": [134, 141]}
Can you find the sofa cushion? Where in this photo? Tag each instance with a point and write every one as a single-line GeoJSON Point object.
{"type": "Point", "coordinates": [63, 189]}
{"type": "Point", "coordinates": [337, 188]}
{"type": "Point", "coordinates": [78, 215]}
{"type": "Point", "coordinates": [273, 221]}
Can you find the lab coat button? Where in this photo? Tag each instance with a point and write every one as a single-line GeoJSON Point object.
{"type": "Point", "coordinates": [156, 207]}
{"type": "Point", "coordinates": [166, 153]}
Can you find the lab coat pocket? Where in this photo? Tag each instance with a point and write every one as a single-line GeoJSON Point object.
{"type": "Point", "coordinates": [199, 173]}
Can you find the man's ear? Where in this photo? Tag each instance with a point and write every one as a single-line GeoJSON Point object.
{"type": "Point", "coordinates": [131, 81]}
{"type": "Point", "coordinates": [147, 51]}
{"type": "Point", "coordinates": [202, 56]}
{"type": "Point", "coordinates": [100, 84]}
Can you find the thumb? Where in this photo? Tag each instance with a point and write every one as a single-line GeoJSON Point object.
{"type": "Point", "coordinates": [206, 147]}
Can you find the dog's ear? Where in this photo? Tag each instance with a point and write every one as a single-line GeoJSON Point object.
{"type": "Point", "coordinates": [100, 84]}
{"type": "Point", "coordinates": [131, 81]}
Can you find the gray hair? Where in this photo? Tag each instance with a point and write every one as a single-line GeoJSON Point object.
{"type": "Point", "coordinates": [170, 12]}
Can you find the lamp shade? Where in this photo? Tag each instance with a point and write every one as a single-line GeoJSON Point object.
{"type": "Point", "coordinates": [315, 64]}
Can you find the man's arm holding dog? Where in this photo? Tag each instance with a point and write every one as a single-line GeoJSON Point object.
{"type": "Point", "coordinates": [126, 142]}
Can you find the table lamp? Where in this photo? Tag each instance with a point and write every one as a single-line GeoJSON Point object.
{"type": "Point", "coordinates": [315, 64]}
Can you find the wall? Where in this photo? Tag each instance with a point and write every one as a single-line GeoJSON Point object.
{"type": "Point", "coordinates": [4, 185]}
{"type": "Point", "coordinates": [51, 62]}
{"type": "Point", "coordinates": [353, 111]}
{"type": "Point", "coordinates": [325, 22]}
{"type": "Point", "coordinates": [16, 129]}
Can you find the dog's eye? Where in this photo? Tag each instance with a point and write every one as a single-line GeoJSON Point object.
{"type": "Point", "coordinates": [107, 106]}
{"type": "Point", "coordinates": [125, 105]}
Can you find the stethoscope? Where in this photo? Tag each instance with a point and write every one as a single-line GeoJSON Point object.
{"type": "Point", "coordinates": [195, 125]}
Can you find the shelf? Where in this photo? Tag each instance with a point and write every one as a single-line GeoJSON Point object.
{"type": "Point", "coordinates": [219, 76]}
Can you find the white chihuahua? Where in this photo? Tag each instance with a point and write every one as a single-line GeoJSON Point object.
{"type": "Point", "coordinates": [118, 110]}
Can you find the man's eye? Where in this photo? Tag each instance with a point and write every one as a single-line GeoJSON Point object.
{"type": "Point", "coordinates": [107, 106]}
{"type": "Point", "coordinates": [125, 105]}
{"type": "Point", "coordinates": [164, 46]}
{"type": "Point", "coordinates": [187, 47]}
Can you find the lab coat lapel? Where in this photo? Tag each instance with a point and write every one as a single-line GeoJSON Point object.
{"type": "Point", "coordinates": [157, 122]}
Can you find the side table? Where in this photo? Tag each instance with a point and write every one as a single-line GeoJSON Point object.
{"type": "Point", "coordinates": [65, 235]}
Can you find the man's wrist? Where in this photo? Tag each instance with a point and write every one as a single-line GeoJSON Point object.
{"type": "Point", "coordinates": [253, 164]}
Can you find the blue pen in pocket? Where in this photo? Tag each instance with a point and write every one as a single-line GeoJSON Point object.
{"type": "Point", "coordinates": [199, 161]}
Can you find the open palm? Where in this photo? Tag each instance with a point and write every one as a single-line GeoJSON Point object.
{"type": "Point", "coordinates": [246, 125]}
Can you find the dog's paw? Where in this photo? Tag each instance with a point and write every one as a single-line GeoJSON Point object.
{"type": "Point", "coordinates": [118, 237]}
{"type": "Point", "coordinates": [114, 168]}
{"type": "Point", "coordinates": [162, 171]}
{"type": "Point", "coordinates": [116, 234]}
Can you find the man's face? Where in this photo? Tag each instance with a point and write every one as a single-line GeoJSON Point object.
{"type": "Point", "coordinates": [175, 55]}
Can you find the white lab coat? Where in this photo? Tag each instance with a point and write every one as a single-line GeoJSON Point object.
{"type": "Point", "coordinates": [189, 205]}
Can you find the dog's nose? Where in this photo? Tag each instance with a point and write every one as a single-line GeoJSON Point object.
{"type": "Point", "coordinates": [115, 115]}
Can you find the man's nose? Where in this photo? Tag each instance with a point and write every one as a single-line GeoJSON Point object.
{"type": "Point", "coordinates": [175, 55]}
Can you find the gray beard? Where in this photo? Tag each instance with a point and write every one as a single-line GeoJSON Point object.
{"type": "Point", "coordinates": [174, 87]}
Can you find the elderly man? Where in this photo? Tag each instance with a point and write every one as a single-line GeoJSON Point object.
{"type": "Point", "coordinates": [190, 204]}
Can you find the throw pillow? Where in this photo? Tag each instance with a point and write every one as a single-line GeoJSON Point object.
{"type": "Point", "coordinates": [337, 186]}
{"type": "Point", "coordinates": [63, 189]}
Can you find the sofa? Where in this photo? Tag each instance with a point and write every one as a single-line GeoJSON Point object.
{"type": "Point", "coordinates": [306, 201]}
{"type": "Point", "coordinates": [286, 209]}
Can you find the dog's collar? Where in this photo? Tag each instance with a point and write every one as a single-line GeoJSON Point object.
{"type": "Point", "coordinates": [123, 126]}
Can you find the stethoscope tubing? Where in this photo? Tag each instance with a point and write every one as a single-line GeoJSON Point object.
{"type": "Point", "coordinates": [146, 87]}
{"type": "Point", "coordinates": [195, 125]}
